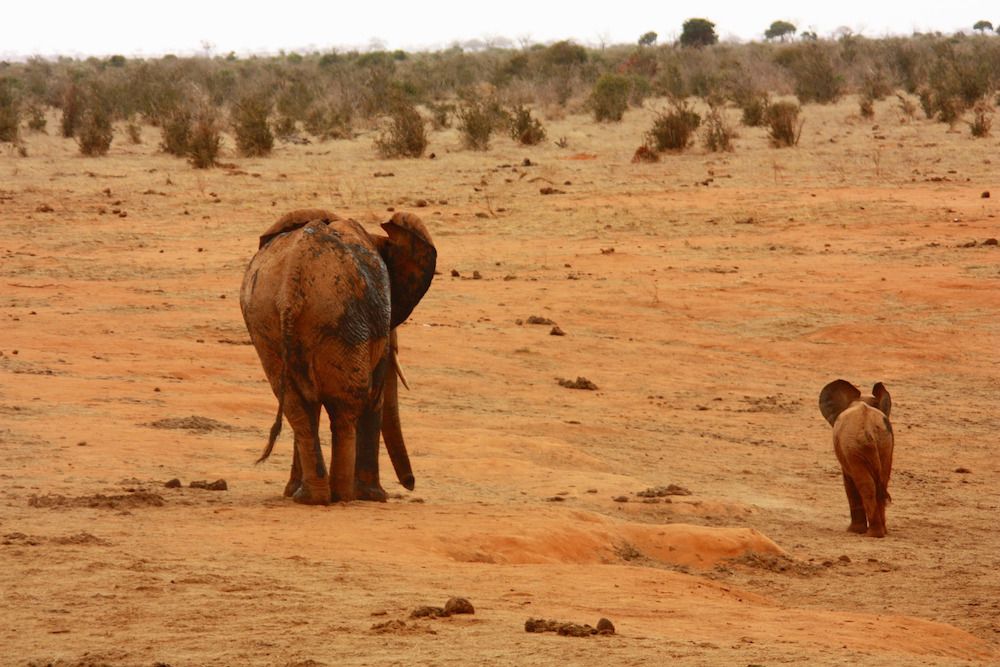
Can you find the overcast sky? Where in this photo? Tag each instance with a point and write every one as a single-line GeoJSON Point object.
{"type": "Point", "coordinates": [137, 27]}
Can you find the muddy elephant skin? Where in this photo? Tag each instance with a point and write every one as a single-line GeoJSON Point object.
{"type": "Point", "coordinates": [322, 299]}
{"type": "Point", "coordinates": [863, 442]}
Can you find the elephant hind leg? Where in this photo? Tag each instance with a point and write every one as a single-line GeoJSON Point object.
{"type": "Point", "coordinates": [343, 426]}
{"type": "Point", "coordinates": [874, 507]}
{"type": "Point", "coordinates": [295, 477]}
{"type": "Point", "coordinates": [314, 482]}
{"type": "Point", "coordinates": [859, 520]}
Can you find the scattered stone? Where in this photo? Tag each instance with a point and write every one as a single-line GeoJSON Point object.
{"type": "Point", "coordinates": [173, 483]}
{"type": "Point", "coordinates": [579, 383]}
{"type": "Point", "coordinates": [455, 273]}
{"type": "Point", "coordinates": [661, 491]}
{"type": "Point", "coordinates": [990, 241]}
{"type": "Point", "coordinates": [458, 605]}
{"type": "Point", "coordinates": [607, 251]}
{"type": "Point", "coordinates": [555, 499]}
{"type": "Point", "coordinates": [535, 319]}
{"type": "Point", "coordinates": [192, 423]}
{"type": "Point", "coordinates": [44, 208]}
{"type": "Point", "coordinates": [620, 499]}
{"type": "Point", "coordinates": [549, 190]}
{"type": "Point", "coordinates": [421, 203]}
{"type": "Point", "coordinates": [556, 331]}
{"type": "Point", "coordinates": [428, 612]}
{"type": "Point", "coordinates": [567, 629]}
{"type": "Point", "coordinates": [476, 275]}
{"type": "Point", "coordinates": [526, 162]}
{"type": "Point", "coordinates": [986, 194]}
{"type": "Point", "coordinates": [217, 485]}
{"type": "Point", "coordinates": [605, 627]}
{"type": "Point", "coordinates": [844, 558]}
{"type": "Point", "coordinates": [963, 471]}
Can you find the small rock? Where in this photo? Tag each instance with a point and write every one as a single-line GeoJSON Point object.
{"type": "Point", "coordinates": [217, 485]}
{"type": "Point", "coordinates": [420, 203]}
{"type": "Point", "coordinates": [455, 273]}
{"type": "Point", "coordinates": [986, 194]}
{"type": "Point", "coordinates": [620, 499]}
{"type": "Point", "coordinates": [173, 483]}
{"type": "Point", "coordinates": [458, 605]}
{"type": "Point", "coordinates": [547, 190]}
{"type": "Point", "coordinates": [579, 383]}
{"type": "Point", "coordinates": [535, 319]}
{"type": "Point", "coordinates": [428, 612]}
{"type": "Point", "coordinates": [990, 241]}
{"type": "Point", "coordinates": [605, 627]}
{"type": "Point", "coordinates": [526, 162]}
{"type": "Point", "coordinates": [963, 471]}
{"type": "Point", "coordinates": [844, 559]}
{"type": "Point", "coordinates": [476, 275]}
{"type": "Point", "coordinates": [576, 630]}
{"type": "Point", "coordinates": [556, 331]}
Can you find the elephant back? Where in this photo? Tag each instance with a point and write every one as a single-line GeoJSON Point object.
{"type": "Point", "coordinates": [294, 220]}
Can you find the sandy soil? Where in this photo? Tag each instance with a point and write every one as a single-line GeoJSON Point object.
{"type": "Point", "coordinates": [709, 297]}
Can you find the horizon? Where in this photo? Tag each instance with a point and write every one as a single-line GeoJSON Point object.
{"type": "Point", "coordinates": [189, 29]}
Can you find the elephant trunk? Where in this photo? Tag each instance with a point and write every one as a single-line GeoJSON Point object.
{"type": "Point", "coordinates": [392, 431]}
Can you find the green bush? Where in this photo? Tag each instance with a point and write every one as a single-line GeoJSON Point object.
{"type": "Point", "coordinates": [95, 133]}
{"type": "Point", "coordinates": [754, 105]}
{"type": "Point", "coordinates": [175, 132]}
{"type": "Point", "coordinates": [814, 72]}
{"type": "Point", "coordinates": [478, 119]}
{"type": "Point", "coordinates": [982, 119]}
{"type": "Point", "coordinates": [718, 135]}
{"type": "Point", "coordinates": [72, 110]}
{"type": "Point", "coordinates": [673, 129]}
{"type": "Point", "coordinates": [10, 111]}
{"type": "Point", "coordinates": [36, 118]}
{"type": "Point", "coordinates": [610, 96]}
{"type": "Point", "coordinates": [403, 134]}
{"type": "Point", "coordinates": [524, 129]}
{"type": "Point", "coordinates": [250, 125]}
{"type": "Point", "coordinates": [329, 120]}
{"type": "Point", "coordinates": [783, 125]}
{"type": "Point", "coordinates": [205, 142]}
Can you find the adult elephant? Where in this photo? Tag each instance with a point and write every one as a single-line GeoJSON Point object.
{"type": "Point", "coordinates": [322, 299]}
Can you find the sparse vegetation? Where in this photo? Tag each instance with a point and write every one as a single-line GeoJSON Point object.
{"type": "Point", "coordinates": [478, 119]}
{"type": "Point", "coordinates": [674, 128]}
{"type": "Point", "coordinates": [783, 125]}
{"type": "Point", "coordinates": [94, 134]}
{"type": "Point", "coordinates": [524, 128]}
{"type": "Point", "coordinates": [609, 99]}
{"type": "Point", "coordinates": [403, 134]}
{"type": "Point", "coordinates": [10, 111]}
{"type": "Point", "coordinates": [982, 119]}
{"type": "Point", "coordinates": [718, 134]}
{"type": "Point", "coordinates": [250, 126]}
{"type": "Point", "coordinates": [205, 142]}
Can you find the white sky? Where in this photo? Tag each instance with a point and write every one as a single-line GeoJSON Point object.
{"type": "Point", "coordinates": [139, 27]}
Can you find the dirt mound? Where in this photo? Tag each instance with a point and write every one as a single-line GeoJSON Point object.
{"type": "Point", "coordinates": [123, 501]}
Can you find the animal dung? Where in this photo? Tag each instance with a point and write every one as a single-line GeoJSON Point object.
{"type": "Point", "coordinates": [579, 383]}
{"type": "Point", "coordinates": [604, 627]}
{"type": "Point", "coordinates": [217, 485]}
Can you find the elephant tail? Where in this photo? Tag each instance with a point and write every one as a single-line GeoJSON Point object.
{"type": "Point", "coordinates": [286, 344]}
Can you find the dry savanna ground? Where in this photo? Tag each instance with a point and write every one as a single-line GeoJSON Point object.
{"type": "Point", "coordinates": [708, 298]}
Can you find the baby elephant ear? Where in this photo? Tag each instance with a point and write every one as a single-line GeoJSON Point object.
{"type": "Point", "coordinates": [835, 398]}
{"type": "Point", "coordinates": [882, 398]}
{"type": "Point", "coordinates": [411, 258]}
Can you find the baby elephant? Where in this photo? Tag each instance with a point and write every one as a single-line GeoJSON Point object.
{"type": "Point", "coordinates": [863, 440]}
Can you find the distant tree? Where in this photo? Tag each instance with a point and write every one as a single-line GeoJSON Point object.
{"type": "Point", "coordinates": [809, 35]}
{"type": "Point", "coordinates": [983, 26]}
{"type": "Point", "coordinates": [648, 39]}
{"type": "Point", "coordinates": [780, 30]}
{"type": "Point", "coordinates": [698, 33]}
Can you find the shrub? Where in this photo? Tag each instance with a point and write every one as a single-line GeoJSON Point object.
{"type": "Point", "coordinates": [441, 114]}
{"type": "Point", "coordinates": [982, 119]}
{"type": "Point", "coordinates": [906, 106]}
{"type": "Point", "coordinates": [673, 129]}
{"type": "Point", "coordinates": [645, 154]}
{"type": "Point", "coordinates": [718, 134]}
{"type": "Point", "coordinates": [72, 109]}
{"type": "Point", "coordinates": [866, 106]}
{"type": "Point", "coordinates": [36, 118]}
{"type": "Point", "coordinates": [134, 131]}
{"type": "Point", "coordinates": [284, 127]}
{"type": "Point", "coordinates": [524, 129]}
{"type": "Point", "coordinates": [10, 112]}
{"type": "Point", "coordinates": [609, 98]}
{"type": "Point", "coordinates": [175, 132]}
{"type": "Point", "coordinates": [94, 133]}
{"type": "Point", "coordinates": [403, 135]}
{"type": "Point", "coordinates": [783, 124]}
{"type": "Point", "coordinates": [205, 142]}
{"type": "Point", "coordinates": [812, 68]}
{"type": "Point", "coordinates": [250, 125]}
{"type": "Point", "coordinates": [327, 120]}
{"type": "Point", "coordinates": [478, 119]}
{"type": "Point", "coordinates": [754, 105]}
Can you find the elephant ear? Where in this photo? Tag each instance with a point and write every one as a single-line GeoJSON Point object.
{"type": "Point", "coordinates": [882, 398]}
{"type": "Point", "coordinates": [835, 398]}
{"type": "Point", "coordinates": [411, 259]}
